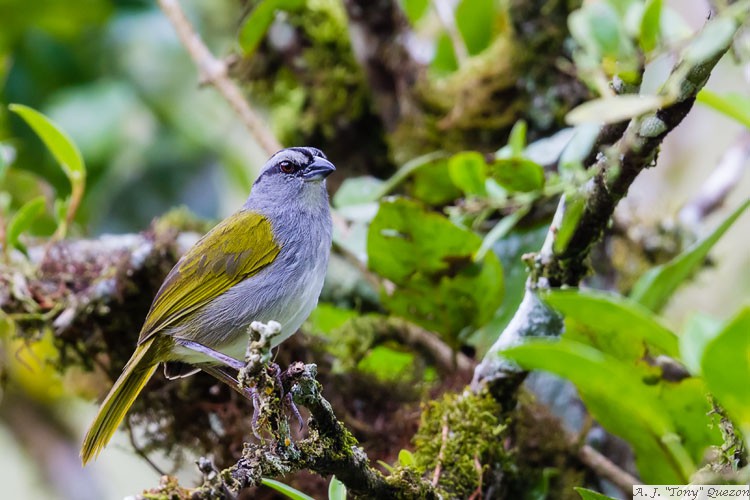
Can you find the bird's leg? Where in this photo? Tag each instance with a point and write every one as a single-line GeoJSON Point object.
{"type": "Point", "coordinates": [250, 393]}
{"type": "Point", "coordinates": [220, 357]}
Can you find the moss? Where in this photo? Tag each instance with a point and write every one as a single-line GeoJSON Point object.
{"type": "Point", "coordinates": [168, 489]}
{"type": "Point", "coordinates": [460, 434]}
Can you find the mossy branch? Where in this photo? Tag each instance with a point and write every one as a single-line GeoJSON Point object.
{"type": "Point", "coordinates": [615, 172]}
{"type": "Point", "coordinates": [329, 449]}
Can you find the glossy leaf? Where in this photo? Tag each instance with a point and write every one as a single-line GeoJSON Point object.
{"type": "Point", "coordinates": [613, 109]}
{"type": "Point", "coordinates": [733, 105]}
{"type": "Point", "coordinates": [633, 411]}
{"type": "Point", "coordinates": [336, 489]}
{"type": "Point", "coordinates": [22, 220]}
{"type": "Point", "coordinates": [517, 139]}
{"type": "Point", "coordinates": [573, 210]}
{"type": "Point", "coordinates": [726, 369]}
{"type": "Point", "coordinates": [415, 9]}
{"type": "Point", "coordinates": [475, 20]}
{"type": "Point", "coordinates": [357, 191]}
{"type": "Point", "coordinates": [656, 286]}
{"type": "Point", "coordinates": [256, 24]}
{"type": "Point", "coordinates": [431, 261]}
{"type": "Point", "coordinates": [612, 324]}
{"type": "Point", "coordinates": [699, 331]}
{"type": "Point", "coordinates": [57, 141]}
{"type": "Point", "coordinates": [518, 174]}
{"type": "Point", "coordinates": [711, 40]}
{"type": "Point", "coordinates": [432, 184]}
{"type": "Point", "coordinates": [406, 458]}
{"type": "Point", "coordinates": [591, 495]}
{"type": "Point", "coordinates": [651, 25]}
{"type": "Point", "coordinates": [468, 171]}
{"type": "Point", "coordinates": [285, 489]}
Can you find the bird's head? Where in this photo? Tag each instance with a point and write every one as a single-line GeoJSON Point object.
{"type": "Point", "coordinates": [294, 173]}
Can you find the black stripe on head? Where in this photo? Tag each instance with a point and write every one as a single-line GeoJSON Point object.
{"type": "Point", "coordinates": [308, 153]}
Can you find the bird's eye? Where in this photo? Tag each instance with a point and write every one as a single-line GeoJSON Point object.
{"type": "Point", "coordinates": [286, 166]}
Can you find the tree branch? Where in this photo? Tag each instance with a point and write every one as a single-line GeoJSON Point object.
{"type": "Point", "coordinates": [329, 449]}
{"type": "Point", "coordinates": [214, 72]}
{"type": "Point", "coordinates": [615, 172]}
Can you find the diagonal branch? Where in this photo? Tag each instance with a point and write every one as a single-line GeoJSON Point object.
{"type": "Point", "coordinates": [214, 72]}
{"type": "Point", "coordinates": [615, 172]}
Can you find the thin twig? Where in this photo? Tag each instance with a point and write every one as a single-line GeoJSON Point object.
{"type": "Point", "coordinates": [477, 495]}
{"type": "Point", "coordinates": [139, 451]}
{"type": "Point", "coordinates": [723, 180]}
{"type": "Point", "coordinates": [605, 468]}
{"type": "Point", "coordinates": [441, 453]}
{"type": "Point", "coordinates": [214, 72]}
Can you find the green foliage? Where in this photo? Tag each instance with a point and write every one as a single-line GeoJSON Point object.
{"type": "Point", "coordinates": [623, 328]}
{"type": "Point", "coordinates": [613, 109]}
{"type": "Point", "coordinates": [468, 172]}
{"type": "Point", "coordinates": [22, 220]}
{"type": "Point", "coordinates": [611, 350]}
{"type": "Point", "coordinates": [591, 495]}
{"type": "Point", "coordinates": [65, 152]}
{"type": "Point", "coordinates": [336, 489]}
{"type": "Point", "coordinates": [285, 489]}
{"type": "Point", "coordinates": [431, 261]}
{"type": "Point", "coordinates": [650, 25]}
{"type": "Point", "coordinates": [654, 288]}
{"type": "Point", "coordinates": [256, 24]}
{"type": "Point", "coordinates": [726, 369]}
{"type": "Point", "coordinates": [732, 104]}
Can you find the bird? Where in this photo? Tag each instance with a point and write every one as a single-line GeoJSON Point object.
{"type": "Point", "coordinates": [265, 262]}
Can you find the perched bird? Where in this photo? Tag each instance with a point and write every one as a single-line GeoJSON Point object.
{"type": "Point", "coordinates": [265, 262]}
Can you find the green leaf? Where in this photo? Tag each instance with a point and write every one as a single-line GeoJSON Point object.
{"type": "Point", "coordinates": [284, 489]}
{"type": "Point", "coordinates": [613, 109]}
{"type": "Point", "coordinates": [699, 331]}
{"type": "Point", "coordinates": [656, 286]}
{"type": "Point", "coordinates": [613, 324]}
{"type": "Point", "coordinates": [357, 191]}
{"type": "Point", "coordinates": [599, 29]}
{"type": "Point", "coordinates": [573, 210]}
{"type": "Point", "coordinates": [414, 9]}
{"type": "Point", "coordinates": [475, 20]}
{"type": "Point", "coordinates": [336, 489]}
{"type": "Point", "coordinates": [406, 458]}
{"type": "Point", "coordinates": [432, 184]}
{"type": "Point", "coordinates": [711, 40]}
{"type": "Point", "coordinates": [726, 369]}
{"type": "Point", "coordinates": [57, 141]}
{"type": "Point", "coordinates": [431, 262]}
{"type": "Point", "coordinates": [518, 174]}
{"type": "Point", "coordinates": [517, 139]}
{"type": "Point", "coordinates": [632, 411]}
{"type": "Point", "coordinates": [256, 25]}
{"type": "Point", "coordinates": [407, 169]}
{"type": "Point", "coordinates": [651, 25]}
{"type": "Point", "coordinates": [732, 104]}
{"type": "Point", "coordinates": [591, 495]}
{"type": "Point", "coordinates": [22, 220]}
{"type": "Point", "coordinates": [468, 171]}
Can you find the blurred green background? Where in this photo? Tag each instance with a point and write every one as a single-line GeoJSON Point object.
{"type": "Point", "coordinates": [115, 77]}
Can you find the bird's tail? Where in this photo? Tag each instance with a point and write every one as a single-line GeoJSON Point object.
{"type": "Point", "coordinates": [117, 403]}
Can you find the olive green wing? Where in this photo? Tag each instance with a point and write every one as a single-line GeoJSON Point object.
{"type": "Point", "coordinates": [238, 247]}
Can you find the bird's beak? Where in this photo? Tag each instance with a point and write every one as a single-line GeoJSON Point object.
{"type": "Point", "coordinates": [318, 170]}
